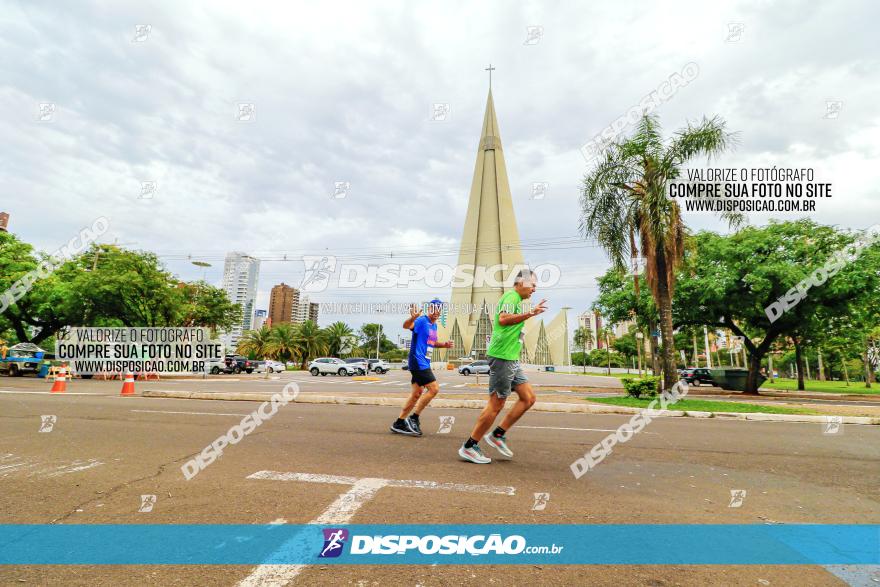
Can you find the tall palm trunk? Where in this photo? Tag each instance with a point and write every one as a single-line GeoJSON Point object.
{"type": "Point", "coordinates": [664, 307]}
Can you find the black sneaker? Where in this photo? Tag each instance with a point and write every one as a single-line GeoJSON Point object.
{"type": "Point", "coordinates": [413, 424]}
{"type": "Point", "coordinates": [402, 428]}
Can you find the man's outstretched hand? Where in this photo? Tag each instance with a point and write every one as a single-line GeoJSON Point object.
{"type": "Point", "coordinates": [540, 308]}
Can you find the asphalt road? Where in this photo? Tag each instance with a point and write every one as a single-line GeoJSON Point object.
{"type": "Point", "coordinates": [104, 452]}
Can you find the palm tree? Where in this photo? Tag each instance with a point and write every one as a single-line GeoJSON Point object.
{"type": "Point", "coordinates": [338, 335]}
{"type": "Point", "coordinates": [256, 343]}
{"type": "Point", "coordinates": [625, 207]}
{"type": "Point", "coordinates": [582, 338]}
{"type": "Point", "coordinates": [310, 340]}
{"type": "Point", "coordinates": [283, 345]}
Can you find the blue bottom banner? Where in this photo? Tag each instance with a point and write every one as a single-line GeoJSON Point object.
{"type": "Point", "coordinates": [545, 544]}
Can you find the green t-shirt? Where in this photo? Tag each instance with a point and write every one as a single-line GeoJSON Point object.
{"type": "Point", "coordinates": [506, 343]}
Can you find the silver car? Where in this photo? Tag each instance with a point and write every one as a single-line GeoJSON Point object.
{"type": "Point", "coordinates": [475, 367]}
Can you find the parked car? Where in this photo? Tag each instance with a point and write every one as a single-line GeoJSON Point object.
{"type": "Point", "coordinates": [475, 367]}
{"type": "Point", "coordinates": [360, 365]}
{"type": "Point", "coordinates": [216, 367]}
{"type": "Point", "coordinates": [405, 366]}
{"type": "Point", "coordinates": [275, 366]}
{"type": "Point", "coordinates": [698, 376]}
{"type": "Point", "coordinates": [231, 364]}
{"type": "Point", "coordinates": [259, 366]}
{"type": "Point", "coordinates": [326, 365]}
{"type": "Point", "coordinates": [378, 366]}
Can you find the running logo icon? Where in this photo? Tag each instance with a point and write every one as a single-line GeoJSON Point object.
{"type": "Point", "coordinates": [318, 272]}
{"type": "Point", "coordinates": [334, 541]}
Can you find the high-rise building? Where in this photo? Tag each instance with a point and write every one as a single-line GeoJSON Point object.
{"type": "Point", "coordinates": [593, 322]}
{"type": "Point", "coordinates": [490, 238]}
{"type": "Point", "coordinates": [313, 312]}
{"type": "Point", "coordinates": [241, 273]}
{"type": "Point", "coordinates": [301, 310]}
{"type": "Point", "coordinates": [259, 319]}
{"type": "Point", "coordinates": [283, 301]}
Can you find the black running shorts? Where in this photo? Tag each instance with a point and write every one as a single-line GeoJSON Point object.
{"type": "Point", "coordinates": [423, 376]}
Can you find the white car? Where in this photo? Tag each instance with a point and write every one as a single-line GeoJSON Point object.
{"type": "Point", "coordinates": [331, 365]}
{"type": "Point", "coordinates": [378, 366]}
{"type": "Point", "coordinates": [275, 366]}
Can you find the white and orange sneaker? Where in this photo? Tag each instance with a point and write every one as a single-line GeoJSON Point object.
{"type": "Point", "coordinates": [500, 444]}
{"type": "Point", "coordinates": [474, 455]}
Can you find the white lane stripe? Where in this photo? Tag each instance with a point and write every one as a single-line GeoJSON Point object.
{"type": "Point", "coordinates": [343, 480]}
{"type": "Point", "coordinates": [460, 385]}
{"type": "Point", "coordinates": [47, 392]}
{"type": "Point", "coordinates": [340, 512]}
{"type": "Point", "coordinates": [578, 429]}
{"type": "Point", "coordinates": [308, 477]}
{"type": "Point", "coordinates": [192, 413]}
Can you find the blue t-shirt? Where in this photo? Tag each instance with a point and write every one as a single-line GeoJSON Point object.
{"type": "Point", "coordinates": [424, 336]}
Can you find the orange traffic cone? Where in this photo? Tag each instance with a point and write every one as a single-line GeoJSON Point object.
{"type": "Point", "coordinates": [60, 385]}
{"type": "Point", "coordinates": [128, 386]}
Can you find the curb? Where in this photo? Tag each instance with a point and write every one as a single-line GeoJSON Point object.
{"type": "Point", "coordinates": [480, 404]}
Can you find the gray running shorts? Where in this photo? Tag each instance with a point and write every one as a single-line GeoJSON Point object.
{"type": "Point", "coordinates": [504, 376]}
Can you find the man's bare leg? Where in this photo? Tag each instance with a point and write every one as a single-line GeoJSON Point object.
{"type": "Point", "coordinates": [411, 402]}
{"type": "Point", "coordinates": [526, 400]}
{"type": "Point", "coordinates": [487, 416]}
{"type": "Point", "coordinates": [430, 391]}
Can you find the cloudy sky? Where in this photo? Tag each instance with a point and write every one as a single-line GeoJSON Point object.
{"type": "Point", "coordinates": [343, 92]}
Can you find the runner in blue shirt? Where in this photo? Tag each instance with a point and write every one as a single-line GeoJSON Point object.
{"type": "Point", "coordinates": [424, 341]}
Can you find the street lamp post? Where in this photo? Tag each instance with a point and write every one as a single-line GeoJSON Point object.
{"type": "Point", "coordinates": [567, 350]}
{"type": "Point", "coordinates": [204, 265]}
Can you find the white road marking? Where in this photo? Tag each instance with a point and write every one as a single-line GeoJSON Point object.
{"type": "Point", "coordinates": [192, 413]}
{"type": "Point", "coordinates": [460, 385]}
{"type": "Point", "coordinates": [47, 392]}
{"type": "Point", "coordinates": [14, 463]}
{"type": "Point", "coordinates": [340, 511]}
{"type": "Point", "coordinates": [579, 429]}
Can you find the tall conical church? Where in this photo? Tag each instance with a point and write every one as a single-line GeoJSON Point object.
{"type": "Point", "coordinates": [491, 238]}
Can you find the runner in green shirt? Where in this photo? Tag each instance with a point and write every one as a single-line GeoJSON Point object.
{"type": "Point", "coordinates": [505, 373]}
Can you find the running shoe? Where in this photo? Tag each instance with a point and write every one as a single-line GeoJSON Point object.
{"type": "Point", "coordinates": [499, 443]}
{"type": "Point", "coordinates": [474, 455]}
{"type": "Point", "coordinates": [414, 426]}
{"type": "Point", "coordinates": [402, 428]}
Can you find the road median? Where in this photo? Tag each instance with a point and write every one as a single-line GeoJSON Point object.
{"type": "Point", "coordinates": [570, 408]}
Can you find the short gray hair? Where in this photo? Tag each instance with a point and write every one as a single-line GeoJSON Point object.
{"type": "Point", "coordinates": [523, 275]}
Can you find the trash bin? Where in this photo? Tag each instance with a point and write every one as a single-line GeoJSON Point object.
{"type": "Point", "coordinates": [733, 378]}
{"type": "Point", "coordinates": [44, 369]}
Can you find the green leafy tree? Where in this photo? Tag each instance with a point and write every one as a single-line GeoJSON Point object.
{"type": "Point", "coordinates": [201, 304]}
{"type": "Point", "coordinates": [730, 281]}
{"type": "Point", "coordinates": [368, 334]}
{"type": "Point", "coordinates": [627, 210]}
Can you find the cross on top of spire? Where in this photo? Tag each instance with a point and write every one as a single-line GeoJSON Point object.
{"type": "Point", "coordinates": [490, 69]}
